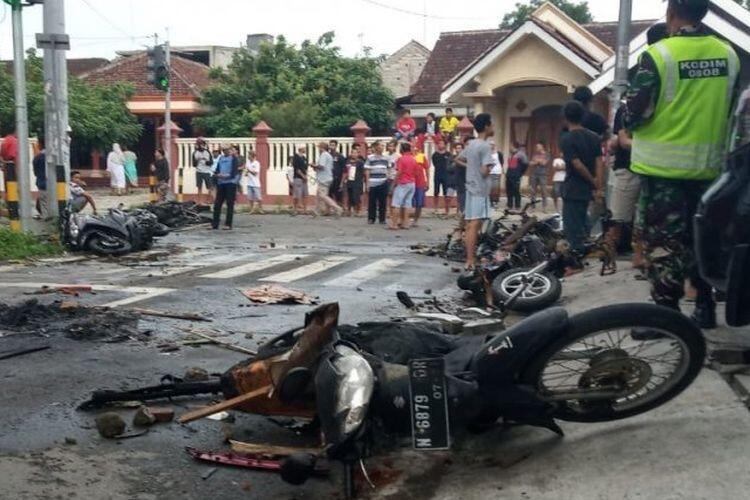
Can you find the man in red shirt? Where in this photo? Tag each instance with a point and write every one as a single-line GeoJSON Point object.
{"type": "Point", "coordinates": [406, 127]}
{"type": "Point", "coordinates": [406, 177]}
{"type": "Point", "coordinates": [9, 148]}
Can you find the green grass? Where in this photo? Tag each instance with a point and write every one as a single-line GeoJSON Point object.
{"type": "Point", "coordinates": [17, 246]}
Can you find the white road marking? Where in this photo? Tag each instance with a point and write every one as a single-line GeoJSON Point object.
{"type": "Point", "coordinates": [299, 273]}
{"type": "Point", "coordinates": [196, 261]}
{"type": "Point", "coordinates": [139, 292]}
{"type": "Point", "coordinates": [366, 273]}
{"type": "Point", "coordinates": [252, 267]}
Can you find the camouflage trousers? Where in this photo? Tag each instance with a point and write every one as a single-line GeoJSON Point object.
{"type": "Point", "coordinates": [666, 209]}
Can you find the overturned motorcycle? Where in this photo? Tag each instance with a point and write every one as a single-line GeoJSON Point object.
{"type": "Point", "coordinates": [116, 233]}
{"type": "Point", "coordinates": [363, 382]}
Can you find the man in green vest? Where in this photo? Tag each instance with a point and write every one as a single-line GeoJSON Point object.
{"type": "Point", "coordinates": [678, 108]}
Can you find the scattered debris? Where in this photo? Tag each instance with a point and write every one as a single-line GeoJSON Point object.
{"type": "Point", "coordinates": [69, 319]}
{"type": "Point", "coordinates": [143, 417]}
{"type": "Point", "coordinates": [248, 462]}
{"type": "Point", "coordinates": [173, 315]}
{"type": "Point", "coordinates": [225, 405]}
{"type": "Point", "coordinates": [275, 294]}
{"type": "Point", "coordinates": [21, 352]}
{"type": "Point", "coordinates": [162, 414]}
{"type": "Point", "coordinates": [71, 441]}
{"type": "Point", "coordinates": [175, 214]}
{"type": "Point", "coordinates": [248, 316]}
{"type": "Point", "coordinates": [210, 472]}
{"type": "Point", "coordinates": [110, 425]}
{"type": "Point", "coordinates": [74, 290]}
{"type": "Point", "coordinates": [195, 374]}
{"type": "Point", "coordinates": [213, 340]}
{"type": "Point", "coordinates": [270, 450]}
{"type": "Point", "coordinates": [222, 415]}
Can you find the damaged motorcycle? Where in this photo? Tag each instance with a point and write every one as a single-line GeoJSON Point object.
{"type": "Point", "coordinates": [369, 383]}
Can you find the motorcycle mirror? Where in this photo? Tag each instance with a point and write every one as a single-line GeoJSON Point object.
{"type": "Point", "coordinates": [297, 468]}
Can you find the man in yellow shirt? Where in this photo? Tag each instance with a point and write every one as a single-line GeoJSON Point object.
{"type": "Point", "coordinates": [448, 125]}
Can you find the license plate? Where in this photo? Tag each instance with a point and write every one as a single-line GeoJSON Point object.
{"type": "Point", "coordinates": [429, 404]}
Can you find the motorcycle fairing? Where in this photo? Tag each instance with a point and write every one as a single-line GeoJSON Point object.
{"type": "Point", "coordinates": [501, 360]}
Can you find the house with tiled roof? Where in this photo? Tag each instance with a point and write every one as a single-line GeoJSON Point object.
{"type": "Point", "coordinates": [188, 79]}
{"type": "Point", "coordinates": [522, 77]}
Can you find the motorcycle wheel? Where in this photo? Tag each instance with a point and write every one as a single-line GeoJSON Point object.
{"type": "Point", "coordinates": [108, 244]}
{"type": "Point", "coordinates": [543, 291]}
{"type": "Point", "coordinates": [600, 354]}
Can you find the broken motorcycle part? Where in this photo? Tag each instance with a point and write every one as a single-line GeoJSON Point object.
{"type": "Point", "coordinates": [170, 388]}
{"type": "Point", "coordinates": [248, 462]}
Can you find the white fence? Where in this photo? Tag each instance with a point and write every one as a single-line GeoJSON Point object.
{"type": "Point", "coordinates": [281, 149]}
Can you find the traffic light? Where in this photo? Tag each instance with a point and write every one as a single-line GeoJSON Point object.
{"type": "Point", "coordinates": [158, 70]}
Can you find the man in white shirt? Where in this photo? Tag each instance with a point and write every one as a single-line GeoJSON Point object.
{"type": "Point", "coordinates": [203, 162]}
{"type": "Point", "coordinates": [496, 175]}
{"type": "Point", "coordinates": [252, 170]}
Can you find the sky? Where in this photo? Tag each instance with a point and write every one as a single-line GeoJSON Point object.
{"type": "Point", "coordinates": [98, 28]}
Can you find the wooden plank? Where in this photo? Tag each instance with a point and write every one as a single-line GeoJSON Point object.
{"type": "Point", "coordinates": [224, 405]}
{"type": "Point", "coordinates": [167, 314]}
{"type": "Point", "coordinates": [267, 449]}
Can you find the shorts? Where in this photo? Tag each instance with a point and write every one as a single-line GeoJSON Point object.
{"type": "Point", "coordinates": [557, 188]}
{"type": "Point", "coordinates": [625, 194]}
{"type": "Point", "coordinates": [323, 189]}
{"type": "Point", "coordinates": [451, 193]}
{"type": "Point", "coordinates": [204, 179]}
{"type": "Point", "coordinates": [419, 197]}
{"type": "Point", "coordinates": [477, 207]}
{"type": "Point", "coordinates": [441, 182]}
{"type": "Point", "coordinates": [461, 194]}
{"type": "Point", "coordinates": [253, 193]}
{"type": "Point", "coordinates": [403, 194]}
{"type": "Point", "coordinates": [354, 193]}
{"type": "Point", "coordinates": [299, 189]}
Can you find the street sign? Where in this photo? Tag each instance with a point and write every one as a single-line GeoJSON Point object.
{"type": "Point", "coordinates": [52, 41]}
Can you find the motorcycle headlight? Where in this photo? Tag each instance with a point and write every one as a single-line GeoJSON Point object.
{"type": "Point", "coordinates": [344, 385]}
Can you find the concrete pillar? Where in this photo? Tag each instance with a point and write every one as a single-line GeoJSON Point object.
{"type": "Point", "coordinates": [263, 152]}
{"type": "Point", "coordinates": [175, 156]}
{"type": "Point", "coordinates": [465, 128]}
{"type": "Point", "coordinates": [360, 131]}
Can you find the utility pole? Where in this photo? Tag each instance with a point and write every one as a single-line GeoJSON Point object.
{"type": "Point", "coordinates": [55, 42]}
{"type": "Point", "coordinates": [168, 105]}
{"type": "Point", "coordinates": [623, 54]}
{"type": "Point", "coordinates": [22, 120]}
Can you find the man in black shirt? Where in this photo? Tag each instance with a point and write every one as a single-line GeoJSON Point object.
{"type": "Point", "coordinates": [39, 165]}
{"type": "Point", "coordinates": [299, 183]}
{"type": "Point", "coordinates": [160, 168]}
{"type": "Point", "coordinates": [591, 120]}
{"type": "Point", "coordinates": [440, 160]}
{"type": "Point", "coordinates": [584, 179]}
{"type": "Point", "coordinates": [336, 191]}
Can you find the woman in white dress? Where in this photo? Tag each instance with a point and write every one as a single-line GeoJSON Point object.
{"type": "Point", "coordinates": [116, 169]}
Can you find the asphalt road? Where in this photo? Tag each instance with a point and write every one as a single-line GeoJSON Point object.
{"type": "Point", "coordinates": [694, 447]}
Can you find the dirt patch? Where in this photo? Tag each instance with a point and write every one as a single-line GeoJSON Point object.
{"type": "Point", "coordinates": [70, 320]}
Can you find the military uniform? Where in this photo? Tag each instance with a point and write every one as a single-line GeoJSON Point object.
{"type": "Point", "coordinates": [678, 106]}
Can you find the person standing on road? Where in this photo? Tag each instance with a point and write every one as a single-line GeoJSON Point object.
{"type": "Point", "coordinates": [420, 184]}
{"type": "Point", "coordinates": [39, 165]}
{"type": "Point", "coordinates": [403, 193]}
{"type": "Point", "coordinates": [678, 109]}
{"type": "Point", "coordinates": [227, 179]}
{"type": "Point", "coordinates": [496, 175]}
{"type": "Point", "coordinates": [517, 165]}
{"type": "Point", "coordinates": [440, 160]}
{"type": "Point", "coordinates": [203, 162]}
{"type": "Point", "coordinates": [538, 175]}
{"type": "Point", "coordinates": [355, 177]}
{"type": "Point", "coordinates": [558, 180]}
{"type": "Point", "coordinates": [339, 166]}
{"type": "Point", "coordinates": [253, 183]}
{"type": "Point", "coordinates": [324, 170]}
{"type": "Point", "coordinates": [477, 157]}
{"type": "Point", "coordinates": [460, 178]}
{"type": "Point", "coordinates": [584, 178]}
{"type": "Point", "coordinates": [116, 169]}
{"type": "Point", "coordinates": [393, 155]}
{"type": "Point", "coordinates": [376, 177]}
{"type": "Point", "coordinates": [160, 168]}
{"type": "Point", "coordinates": [131, 167]}
{"type": "Point", "coordinates": [299, 186]}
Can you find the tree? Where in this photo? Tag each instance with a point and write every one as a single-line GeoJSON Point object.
{"type": "Point", "coordinates": [98, 114]}
{"type": "Point", "coordinates": [311, 88]}
{"type": "Point", "coordinates": [578, 11]}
